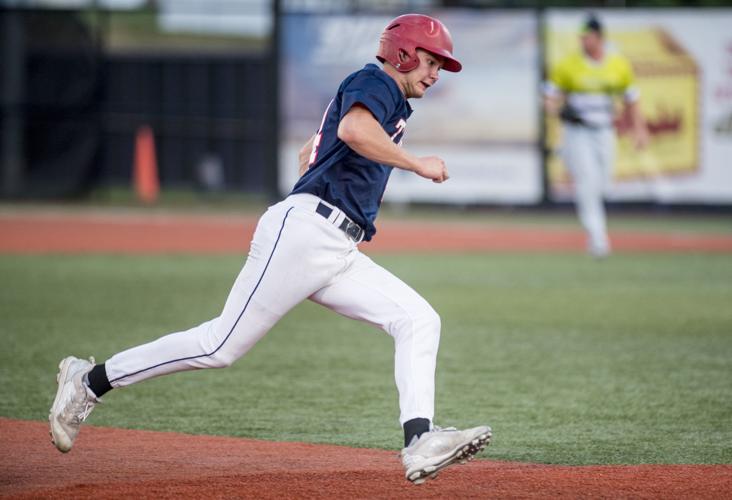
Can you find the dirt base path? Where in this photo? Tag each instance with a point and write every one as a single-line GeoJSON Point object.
{"type": "Point", "coordinates": [46, 232]}
{"type": "Point", "coordinates": [115, 463]}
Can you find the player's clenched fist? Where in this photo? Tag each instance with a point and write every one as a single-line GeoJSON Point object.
{"type": "Point", "coordinates": [432, 167]}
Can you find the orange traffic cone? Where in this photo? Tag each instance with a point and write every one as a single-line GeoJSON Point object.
{"type": "Point", "coordinates": [146, 182]}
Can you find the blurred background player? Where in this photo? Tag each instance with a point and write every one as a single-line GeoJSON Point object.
{"type": "Point", "coordinates": [582, 88]}
{"type": "Point", "coordinates": [306, 247]}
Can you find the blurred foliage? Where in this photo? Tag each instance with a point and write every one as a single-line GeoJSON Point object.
{"type": "Point", "coordinates": [140, 29]}
{"type": "Point", "coordinates": [586, 4]}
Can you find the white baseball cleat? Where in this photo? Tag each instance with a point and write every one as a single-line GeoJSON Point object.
{"type": "Point", "coordinates": [599, 250]}
{"type": "Point", "coordinates": [440, 448]}
{"type": "Point", "coordinates": [73, 404]}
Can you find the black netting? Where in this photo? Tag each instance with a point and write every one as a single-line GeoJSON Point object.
{"type": "Point", "coordinates": [53, 103]}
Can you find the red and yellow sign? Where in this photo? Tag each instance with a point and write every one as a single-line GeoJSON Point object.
{"type": "Point", "coordinates": [669, 81]}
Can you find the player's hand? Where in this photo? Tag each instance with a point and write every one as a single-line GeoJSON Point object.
{"type": "Point", "coordinates": [303, 166]}
{"type": "Point", "coordinates": [641, 138]}
{"type": "Point", "coordinates": [432, 167]}
{"type": "Point", "coordinates": [303, 157]}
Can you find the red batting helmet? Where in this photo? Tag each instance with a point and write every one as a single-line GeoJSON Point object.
{"type": "Point", "coordinates": [416, 31]}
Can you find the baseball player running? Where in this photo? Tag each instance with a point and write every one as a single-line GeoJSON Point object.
{"type": "Point", "coordinates": [306, 247]}
{"type": "Point", "coordinates": [581, 89]}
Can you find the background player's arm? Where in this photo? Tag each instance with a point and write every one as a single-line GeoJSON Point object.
{"type": "Point", "coordinates": [638, 128]}
{"type": "Point", "coordinates": [304, 155]}
{"type": "Point", "coordinates": [554, 89]}
{"type": "Point", "coordinates": [365, 135]}
{"type": "Point", "coordinates": [553, 103]}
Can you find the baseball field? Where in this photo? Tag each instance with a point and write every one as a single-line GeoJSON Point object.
{"type": "Point", "coordinates": [600, 379]}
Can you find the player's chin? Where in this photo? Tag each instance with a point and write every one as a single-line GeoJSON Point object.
{"type": "Point", "coordinates": [420, 91]}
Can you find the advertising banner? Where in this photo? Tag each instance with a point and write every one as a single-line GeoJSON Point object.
{"type": "Point", "coordinates": [482, 121]}
{"type": "Point", "coordinates": [682, 60]}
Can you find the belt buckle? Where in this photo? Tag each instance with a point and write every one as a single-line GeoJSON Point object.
{"type": "Point", "coordinates": [354, 231]}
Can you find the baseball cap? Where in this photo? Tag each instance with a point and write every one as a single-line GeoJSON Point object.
{"type": "Point", "coordinates": [592, 23]}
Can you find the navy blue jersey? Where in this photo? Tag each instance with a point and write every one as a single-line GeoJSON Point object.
{"type": "Point", "coordinates": [339, 175]}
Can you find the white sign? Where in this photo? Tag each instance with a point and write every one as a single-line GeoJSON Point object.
{"type": "Point", "coordinates": [482, 121]}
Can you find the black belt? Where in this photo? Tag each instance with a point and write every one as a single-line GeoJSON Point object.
{"type": "Point", "coordinates": [349, 227]}
{"type": "Point", "coordinates": [582, 123]}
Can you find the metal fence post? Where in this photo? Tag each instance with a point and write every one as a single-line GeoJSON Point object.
{"type": "Point", "coordinates": [12, 162]}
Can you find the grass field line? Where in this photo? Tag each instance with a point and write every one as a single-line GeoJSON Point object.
{"type": "Point", "coordinates": [570, 361]}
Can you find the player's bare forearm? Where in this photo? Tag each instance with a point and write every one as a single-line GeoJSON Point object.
{"type": "Point", "coordinates": [365, 135]}
{"type": "Point", "coordinates": [637, 124]}
{"type": "Point", "coordinates": [304, 156]}
{"type": "Point", "coordinates": [552, 104]}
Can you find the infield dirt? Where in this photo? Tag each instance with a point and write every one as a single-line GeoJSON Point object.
{"type": "Point", "coordinates": [140, 233]}
{"type": "Point", "coordinates": [117, 463]}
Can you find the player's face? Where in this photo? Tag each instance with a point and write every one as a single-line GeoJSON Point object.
{"type": "Point", "coordinates": [591, 42]}
{"type": "Point", "coordinates": [423, 76]}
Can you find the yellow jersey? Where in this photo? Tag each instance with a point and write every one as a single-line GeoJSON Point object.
{"type": "Point", "coordinates": [590, 86]}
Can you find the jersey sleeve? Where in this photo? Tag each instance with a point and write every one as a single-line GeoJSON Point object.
{"type": "Point", "coordinates": [372, 93]}
{"type": "Point", "coordinates": [559, 77]}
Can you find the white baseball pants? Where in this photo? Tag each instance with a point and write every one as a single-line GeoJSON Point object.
{"type": "Point", "coordinates": [297, 254]}
{"type": "Point", "coordinates": [589, 155]}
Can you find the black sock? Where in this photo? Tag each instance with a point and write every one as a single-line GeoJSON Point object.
{"type": "Point", "coordinates": [415, 428]}
{"type": "Point", "coordinates": [98, 381]}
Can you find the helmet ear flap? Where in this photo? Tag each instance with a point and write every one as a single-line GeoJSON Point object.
{"type": "Point", "coordinates": [406, 61]}
{"type": "Point", "coordinates": [396, 51]}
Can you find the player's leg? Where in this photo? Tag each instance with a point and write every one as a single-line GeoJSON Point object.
{"type": "Point", "coordinates": [579, 151]}
{"type": "Point", "coordinates": [288, 260]}
{"type": "Point", "coordinates": [293, 253]}
{"type": "Point", "coordinates": [605, 151]}
{"type": "Point", "coordinates": [370, 293]}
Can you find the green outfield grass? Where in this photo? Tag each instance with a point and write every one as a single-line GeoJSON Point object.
{"type": "Point", "coordinates": [571, 361]}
